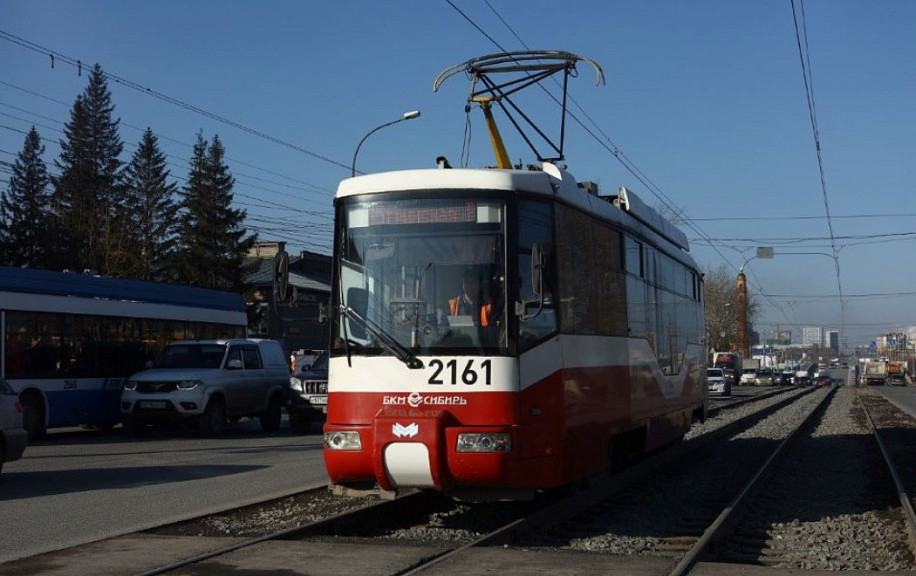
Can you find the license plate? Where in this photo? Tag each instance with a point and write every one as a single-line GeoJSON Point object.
{"type": "Point", "coordinates": [152, 404]}
{"type": "Point", "coordinates": [318, 400]}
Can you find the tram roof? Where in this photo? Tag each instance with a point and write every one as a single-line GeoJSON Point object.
{"type": "Point", "coordinates": [552, 181]}
{"type": "Point", "coordinates": [47, 282]}
{"type": "Point", "coordinates": [447, 179]}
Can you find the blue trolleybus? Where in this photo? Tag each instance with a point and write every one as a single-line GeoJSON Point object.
{"type": "Point", "coordinates": [68, 341]}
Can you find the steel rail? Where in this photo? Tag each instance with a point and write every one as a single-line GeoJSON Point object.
{"type": "Point", "coordinates": [905, 501]}
{"type": "Point", "coordinates": [278, 535]}
{"type": "Point", "coordinates": [730, 513]}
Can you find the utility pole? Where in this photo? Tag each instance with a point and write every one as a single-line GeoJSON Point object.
{"type": "Point", "coordinates": [741, 296]}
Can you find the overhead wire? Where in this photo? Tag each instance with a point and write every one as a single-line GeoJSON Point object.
{"type": "Point", "coordinates": [171, 100]}
{"type": "Point", "coordinates": [801, 36]}
{"type": "Point", "coordinates": [612, 148]}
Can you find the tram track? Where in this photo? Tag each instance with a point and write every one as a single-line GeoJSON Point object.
{"type": "Point", "coordinates": [424, 532]}
{"type": "Point", "coordinates": [828, 503]}
{"type": "Point", "coordinates": [685, 514]}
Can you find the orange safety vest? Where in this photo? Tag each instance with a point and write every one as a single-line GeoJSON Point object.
{"type": "Point", "coordinates": [455, 305]}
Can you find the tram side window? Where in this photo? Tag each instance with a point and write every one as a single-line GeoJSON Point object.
{"type": "Point", "coordinates": [611, 297]}
{"type": "Point", "coordinates": [535, 227]}
{"type": "Point", "coordinates": [636, 288]}
{"type": "Point", "coordinates": [590, 276]}
{"type": "Point", "coordinates": [575, 272]}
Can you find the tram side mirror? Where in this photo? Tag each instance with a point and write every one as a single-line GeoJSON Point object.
{"type": "Point", "coordinates": [358, 300]}
{"type": "Point", "coordinates": [538, 270]}
{"type": "Point", "coordinates": [538, 264]}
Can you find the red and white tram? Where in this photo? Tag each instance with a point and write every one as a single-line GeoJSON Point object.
{"type": "Point", "coordinates": [579, 339]}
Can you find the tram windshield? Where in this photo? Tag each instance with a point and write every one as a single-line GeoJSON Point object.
{"type": "Point", "coordinates": [419, 276]}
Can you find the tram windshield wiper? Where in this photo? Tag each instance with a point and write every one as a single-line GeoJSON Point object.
{"type": "Point", "coordinates": [386, 340]}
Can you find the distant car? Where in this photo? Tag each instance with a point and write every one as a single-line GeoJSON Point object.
{"type": "Point", "coordinates": [307, 396]}
{"type": "Point", "coordinates": [13, 436]}
{"type": "Point", "coordinates": [732, 376]}
{"type": "Point", "coordinates": [748, 377]}
{"type": "Point", "coordinates": [717, 382]}
{"type": "Point", "coordinates": [764, 377]}
{"type": "Point", "coordinates": [823, 380]}
{"type": "Point", "coordinates": [896, 380]}
{"type": "Point", "coordinates": [209, 382]}
{"type": "Point", "coordinates": [784, 378]}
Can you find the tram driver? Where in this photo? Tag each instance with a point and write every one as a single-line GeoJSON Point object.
{"type": "Point", "coordinates": [469, 301]}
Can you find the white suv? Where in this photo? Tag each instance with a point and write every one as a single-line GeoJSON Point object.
{"type": "Point", "coordinates": [718, 382]}
{"type": "Point", "coordinates": [209, 381]}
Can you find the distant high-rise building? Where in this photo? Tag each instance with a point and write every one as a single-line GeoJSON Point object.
{"type": "Point", "coordinates": [812, 336]}
{"type": "Point", "coordinates": [832, 338]}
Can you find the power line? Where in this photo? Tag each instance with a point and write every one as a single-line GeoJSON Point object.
{"type": "Point", "coordinates": [165, 98]}
{"type": "Point", "coordinates": [801, 33]}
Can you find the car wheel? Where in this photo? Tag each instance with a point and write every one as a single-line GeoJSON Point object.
{"type": "Point", "coordinates": [213, 420]}
{"type": "Point", "coordinates": [270, 420]}
{"type": "Point", "coordinates": [300, 423]}
{"type": "Point", "coordinates": [33, 415]}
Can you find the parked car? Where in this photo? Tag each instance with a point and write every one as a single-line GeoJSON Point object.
{"type": "Point", "coordinates": [717, 382]}
{"type": "Point", "coordinates": [209, 382]}
{"type": "Point", "coordinates": [764, 377]}
{"type": "Point", "coordinates": [307, 397]}
{"type": "Point", "coordinates": [13, 436]}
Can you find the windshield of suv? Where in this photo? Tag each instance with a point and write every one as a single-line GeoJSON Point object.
{"type": "Point", "coordinates": [191, 355]}
{"type": "Point", "coordinates": [321, 363]}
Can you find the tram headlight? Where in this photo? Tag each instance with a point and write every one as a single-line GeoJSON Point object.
{"type": "Point", "coordinates": [189, 384]}
{"type": "Point", "coordinates": [343, 440]}
{"type": "Point", "coordinates": [484, 442]}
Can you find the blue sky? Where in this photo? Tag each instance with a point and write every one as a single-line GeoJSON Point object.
{"type": "Point", "coordinates": [705, 99]}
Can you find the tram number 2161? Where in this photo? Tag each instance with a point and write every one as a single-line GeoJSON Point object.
{"type": "Point", "coordinates": [473, 373]}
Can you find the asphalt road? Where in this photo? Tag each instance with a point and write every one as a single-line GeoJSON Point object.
{"type": "Point", "coordinates": [78, 486]}
{"type": "Point", "coordinates": [904, 397]}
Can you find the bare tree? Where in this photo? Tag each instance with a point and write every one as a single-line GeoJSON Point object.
{"type": "Point", "coordinates": [721, 307]}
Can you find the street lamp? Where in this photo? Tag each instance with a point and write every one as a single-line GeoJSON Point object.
{"type": "Point", "coordinates": [763, 252]}
{"type": "Point", "coordinates": [407, 116]}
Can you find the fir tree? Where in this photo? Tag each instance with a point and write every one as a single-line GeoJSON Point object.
{"type": "Point", "coordinates": [150, 211]}
{"type": "Point", "coordinates": [24, 237]}
{"type": "Point", "coordinates": [89, 193]}
{"type": "Point", "coordinates": [213, 242]}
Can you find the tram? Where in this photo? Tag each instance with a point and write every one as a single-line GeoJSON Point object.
{"type": "Point", "coordinates": [498, 332]}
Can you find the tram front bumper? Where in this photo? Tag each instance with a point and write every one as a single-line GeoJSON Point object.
{"type": "Point", "coordinates": [432, 451]}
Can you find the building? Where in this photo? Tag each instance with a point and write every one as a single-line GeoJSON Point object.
{"type": "Point", "coordinates": [832, 341]}
{"type": "Point", "coordinates": [781, 337]}
{"type": "Point", "coordinates": [301, 321]}
{"type": "Point", "coordinates": [812, 336]}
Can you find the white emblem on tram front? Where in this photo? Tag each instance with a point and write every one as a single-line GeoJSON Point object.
{"type": "Point", "coordinates": [405, 431]}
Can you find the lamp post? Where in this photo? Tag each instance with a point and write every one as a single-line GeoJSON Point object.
{"type": "Point", "coordinates": [763, 252]}
{"type": "Point", "coordinates": [407, 116]}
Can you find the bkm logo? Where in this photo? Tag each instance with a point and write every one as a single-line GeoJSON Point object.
{"type": "Point", "coordinates": [402, 431]}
